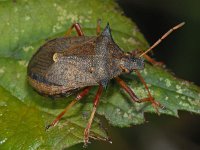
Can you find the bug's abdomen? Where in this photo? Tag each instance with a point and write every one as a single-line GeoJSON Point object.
{"type": "Point", "coordinates": [43, 58]}
{"type": "Point", "coordinates": [50, 81]}
{"type": "Point", "coordinates": [72, 72]}
{"type": "Point", "coordinates": [49, 90]}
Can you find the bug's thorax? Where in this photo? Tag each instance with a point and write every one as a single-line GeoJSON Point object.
{"type": "Point", "coordinates": [108, 60]}
{"type": "Point", "coordinates": [106, 47]}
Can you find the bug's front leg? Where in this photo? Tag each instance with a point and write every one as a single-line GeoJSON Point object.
{"type": "Point", "coordinates": [136, 53]}
{"type": "Point", "coordinates": [95, 104]}
{"type": "Point", "coordinates": [134, 98]}
{"type": "Point", "coordinates": [150, 98]}
{"type": "Point", "coordinates": [153, 61]}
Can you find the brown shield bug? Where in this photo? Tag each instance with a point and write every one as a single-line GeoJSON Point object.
{"type": "Point", "coordinates": [66, 64]}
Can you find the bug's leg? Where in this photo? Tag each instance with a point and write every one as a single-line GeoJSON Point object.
{"type": "Point", "coordinates": [150, 98]}
{"type": "Point", "coordinates": [97, 137]}
{"type": "Point", "coordinates": [136, 53]}
{"type": "Point", "coordinates": [95, 103]}
{"type": "Point", "coordinates": [127, 89]}
{"type": "Point", "coordinates": [98, 29]}
{"type": "Point", "coordinates": [152, 61]}
{"type": "Point", "coordinates": [78, 29]}
{"type": "Point", "coordinates": [78, 97]}
{"type": "Point", "coordinates": [135, 98]}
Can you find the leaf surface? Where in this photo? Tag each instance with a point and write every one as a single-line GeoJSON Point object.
{"type": "Point", "coordinates": [25, 26]}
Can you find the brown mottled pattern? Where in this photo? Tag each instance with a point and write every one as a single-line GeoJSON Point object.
{"type": "Point", "coordinates": [81, 61]}
{"type": "Point", "coordinates": [45, 89]}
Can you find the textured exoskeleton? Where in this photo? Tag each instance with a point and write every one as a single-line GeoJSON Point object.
{"type": "Point", "coordinates": [65, 64]}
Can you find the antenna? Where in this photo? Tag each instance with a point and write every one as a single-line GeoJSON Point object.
{"type": "Point", "coordinates": [163, 37]}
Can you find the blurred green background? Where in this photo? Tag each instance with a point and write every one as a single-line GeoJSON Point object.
{"type": "Point", "coordinates": [180, 52]}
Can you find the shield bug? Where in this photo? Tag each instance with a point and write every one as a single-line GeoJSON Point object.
{"type": "Point", "coordinates": [70, 63]}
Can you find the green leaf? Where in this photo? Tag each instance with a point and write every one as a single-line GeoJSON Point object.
{"type": "Point", "coordinates": [25, 26]}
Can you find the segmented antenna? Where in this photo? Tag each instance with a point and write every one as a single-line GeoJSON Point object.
{"type": "Point", "coordinates": [163, 37]}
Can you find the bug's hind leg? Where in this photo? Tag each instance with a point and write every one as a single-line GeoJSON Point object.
{"type": "Point", "coordinates": [95, 104]}
{"type": "Point", "coordinates": [78, 97]}
{"type": "Point", "coordinates": [78, 28]}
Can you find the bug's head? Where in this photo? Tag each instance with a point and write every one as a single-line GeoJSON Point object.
{"type": "Point", "coordinates": [129, 64]}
